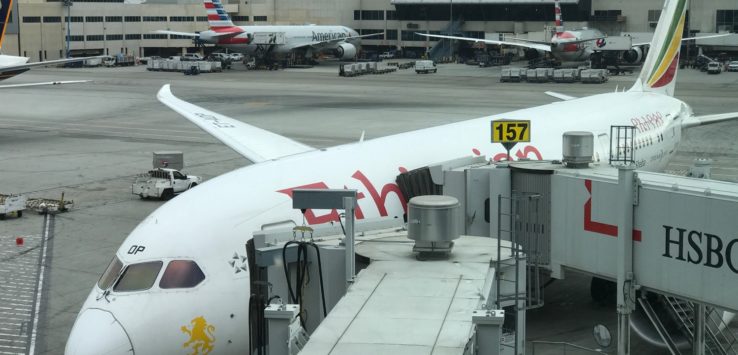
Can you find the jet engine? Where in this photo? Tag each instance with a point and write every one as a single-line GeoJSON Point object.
{"type": "Point", "coordinates": [346, 51]}
{"type": "Point", "coordinates": [633, 56]}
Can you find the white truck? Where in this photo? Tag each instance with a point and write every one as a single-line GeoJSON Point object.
{"type": "Point", "coordinates": [12, 203]}
{"type": "Point", "coordinates": [425, 66]}
{"type": "Point", "coordinates": [163, 183]}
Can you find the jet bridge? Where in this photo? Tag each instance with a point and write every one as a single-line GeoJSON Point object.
{"type": "Point", "coordinates": [682, 243]}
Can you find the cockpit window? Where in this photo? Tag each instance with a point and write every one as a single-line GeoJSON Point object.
{"type": "Point", "coordinates": [108, 277]}
{"type": "Point", "coordinates": [181, 274]}
{"type": "Point", "coordinates": [137, 277]}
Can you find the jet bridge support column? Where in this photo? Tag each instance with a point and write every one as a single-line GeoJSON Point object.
{"type": "Point", "coordinates": [698, 343]}
{"type": "Point", "coordinates": [626, 289]}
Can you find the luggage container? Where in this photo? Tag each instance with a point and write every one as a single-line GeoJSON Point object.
{"type": "Point", "coordinates": [564, 76]}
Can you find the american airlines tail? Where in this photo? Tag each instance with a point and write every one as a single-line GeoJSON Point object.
{"type": "Point", "coordinates": [559, 22]}
{"type": "Point", "coordinates": [659, 70]}
{"type": "Point", "coordinates": [218, 18]}
{"type": "Point", "coordinates": [5, 7]}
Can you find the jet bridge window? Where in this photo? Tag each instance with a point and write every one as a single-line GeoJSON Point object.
{"type": "Point", "coordinates": [107, 278]}
{"type": "Point", "coordinates": [138, 277]}
{"type": "Point", "coordinates": [181, 274]}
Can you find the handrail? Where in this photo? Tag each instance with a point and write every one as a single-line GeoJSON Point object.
{"type": "Point", "coordinates": [565, 344]}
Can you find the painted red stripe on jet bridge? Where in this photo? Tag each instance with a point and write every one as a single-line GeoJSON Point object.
{"type": "Point", "coordinates": [598, 227]}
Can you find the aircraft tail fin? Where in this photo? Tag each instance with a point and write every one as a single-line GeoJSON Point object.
{"type": "Point", "coordinates": [559, 22]}
{"type": "Point", "coordinates": [660, 67]}
{"type": "Point", "coordinates": [217, 16]}
{"type": "Point", "coordinates": [5, 8]}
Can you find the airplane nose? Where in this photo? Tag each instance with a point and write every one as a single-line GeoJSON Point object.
{"type": "Point", "coordinates": [97, 332]}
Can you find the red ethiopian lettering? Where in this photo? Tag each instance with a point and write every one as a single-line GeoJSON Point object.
{"type": "Point", "coordinates": [380, 199]}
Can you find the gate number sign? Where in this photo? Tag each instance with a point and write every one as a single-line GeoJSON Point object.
{"type": "Point", "coordinates": [510, 131]}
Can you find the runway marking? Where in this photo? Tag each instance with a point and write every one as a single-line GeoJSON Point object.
{"type": "Point", "coordinates": [48, 232]}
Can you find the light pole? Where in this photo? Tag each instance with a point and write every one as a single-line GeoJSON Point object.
{"type": "Point", "coordinates": [68, 5]}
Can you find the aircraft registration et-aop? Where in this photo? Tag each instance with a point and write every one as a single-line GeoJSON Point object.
{"type": "Point", "coordinates": [179, 283]}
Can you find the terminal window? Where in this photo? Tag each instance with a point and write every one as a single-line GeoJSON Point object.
{"type": "Point", "coordinates": [179, 37]}
{"type": "Point", "coordinates": [95, 37]}
{"type": "Point", "coordinates": [154, 36]}
{"type": "Point", "coordinates": [372, 15]}
{"type": "Point", "coordinates": [182, 18]}
{"type": "Point", "coordinates": [76, 38]}
{"type": "Point", "coordinates": [391, 35]}
{"type": "Point", "coordinates": [31, 19]}
{"type": "Point", "coordinates": [74, 19]}
{"type": "Point", "coordinates": [133, 18]}
{"type": "Point", "coordinates": [94, 19]}
{"type": "Point", "coordinates": [52, 19]}
{"type": "Point", "coordinates": [133, 36]}
{"type": "Point", "coordinates": [202, 18]}
{"type": "Point", "coordinates": [114, 37]}
{"type": "Point", "coordinates": [726, 21]}
{"type": "Point", "coordinates": [113, 19]}
{"type": "Point", "coordinates": [240, 18]}
{"type": "Point", "coordinates": [260, 18]}
{"type": "Point", "coordinates": [155, 19]}
{"type": "Point", "coordinates": [391, 15]}
{"type": "Point", "coordinates": [357, 15]}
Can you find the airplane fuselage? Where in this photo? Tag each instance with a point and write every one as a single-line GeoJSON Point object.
{"type": "Point", "coordinates": [224, 212]}
{"type": "Point", "coordinates": [574, 52]}
{"type": "Point", "coordinates": [294, 37]}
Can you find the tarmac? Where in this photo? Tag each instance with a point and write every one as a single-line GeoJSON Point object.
{"type": "Point", "coordinates": [90, 140]}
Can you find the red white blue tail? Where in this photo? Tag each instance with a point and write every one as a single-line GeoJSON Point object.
{"type": "Point", "coordinates": [217, 16]}
{"type": "Point", "coordinates": [559, 22]}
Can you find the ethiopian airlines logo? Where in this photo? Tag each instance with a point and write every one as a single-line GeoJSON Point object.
{"type": "Point", "coordinates": [201, 336]}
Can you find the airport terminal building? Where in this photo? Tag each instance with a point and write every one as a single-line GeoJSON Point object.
{"type": "Point", "coordinates": [39, 28]}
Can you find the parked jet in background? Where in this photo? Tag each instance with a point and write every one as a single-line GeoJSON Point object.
{"type": "Point", "coordinates": [11, 65]}
{"type": "Point", "coordinates": [566, 45]}
{"type": "Point", "coordinates": [180, 281]}
{"type": "Point", "coordinates": [340, 41]}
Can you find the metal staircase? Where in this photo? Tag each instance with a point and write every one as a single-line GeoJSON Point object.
{"type": "Point", "coordinates": [719, 339]}
{"type": "Point", "coordinates": [518, 276]}
{"type": "Point", "coordinates": [443, 48]}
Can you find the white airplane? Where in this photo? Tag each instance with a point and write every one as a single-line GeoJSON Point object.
{"type": "Point", "coordinates": [11, 65]}
{"type": "Point", "coordinates": [567, 45]}
{"type": "Point", "coordinates": [340, 41]}
{"type": "Point", "coordinates": [179, 283]}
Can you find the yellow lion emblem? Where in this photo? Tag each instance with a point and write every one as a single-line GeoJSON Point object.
{"type": "Point", "coordinates": [201, 336]}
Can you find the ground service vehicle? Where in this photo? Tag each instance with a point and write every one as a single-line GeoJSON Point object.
{"type": "Point", "coordinates": [425, 66]}
{"type": "Point", "coordinates": [714, 68]}
{"type": "Point", "coordinates": [12, 203]}
{"type": "Point", "coordinates": [733, 66]}
{"type": "Point", "coordinates": [163, 183]}
{"type": "Point", "coordinates": [387, 55]}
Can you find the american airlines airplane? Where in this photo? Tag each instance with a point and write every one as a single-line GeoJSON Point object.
{"type": "Point", "coordinates": [179, 283]}
{"type": "Point", "coordinates": [567, 45]}
{"type": "Point", "coordinates": [11, 65]}
{"type": "Point", "coordinates": [341, 41]}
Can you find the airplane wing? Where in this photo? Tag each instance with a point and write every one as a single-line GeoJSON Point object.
{"type": "Point", "coordinates": [253, 143]}
{"type": "Point", "coordinates": [10, 86]}
{"type": "Point", "coordinates": [687, 39]}
{"type": "Point", "coordinates": [186, 34]}
{"type": "Point", "coordinates": [560, 96]}
{"type": "Point", "coordinates": [695, 121]}
{"type": "Point", "coordinates": [44, 64]}
{"type": "Point", "coordinates": [323, 43]}
{"type": "Point", "coordinates": [532, 45]}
